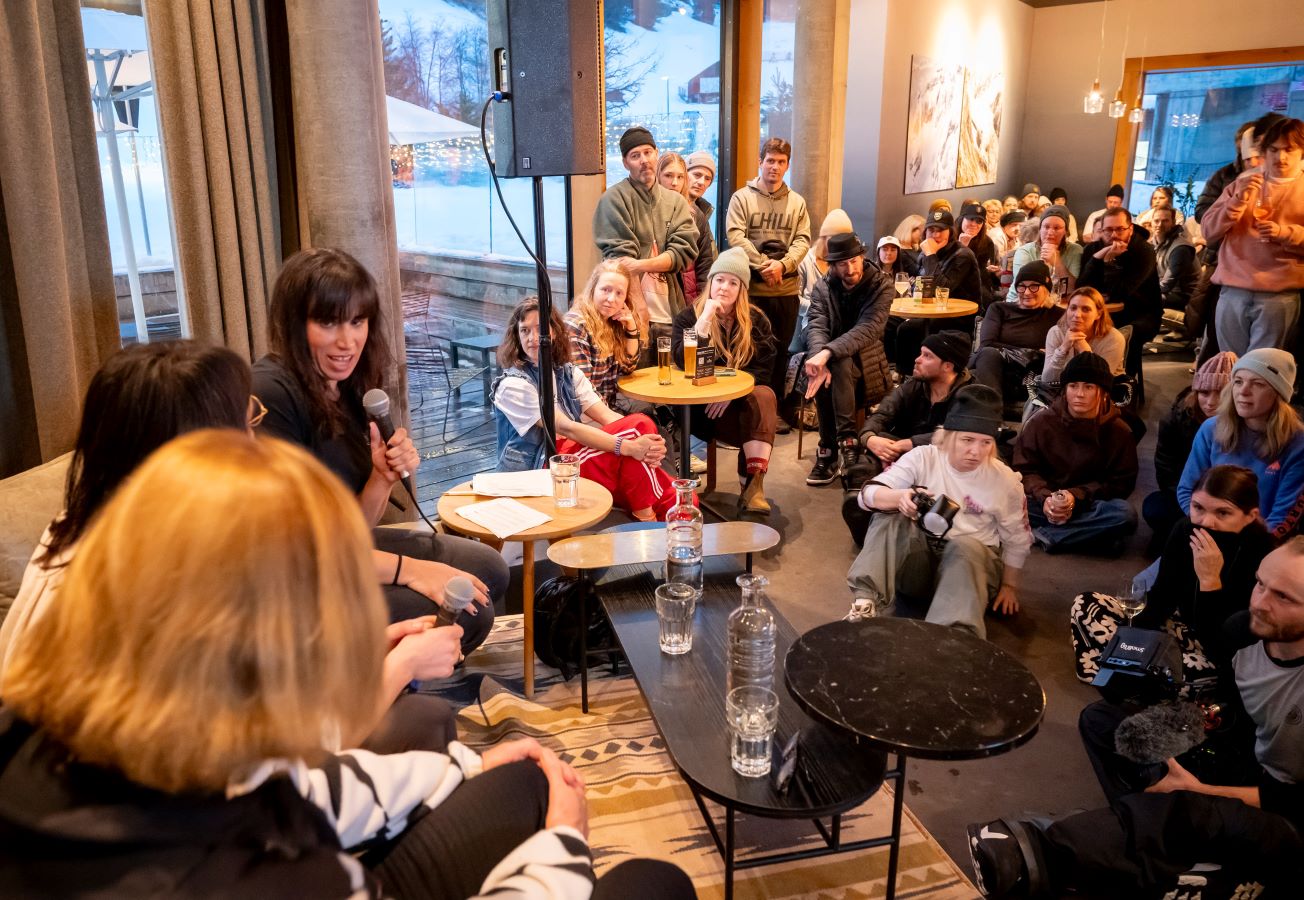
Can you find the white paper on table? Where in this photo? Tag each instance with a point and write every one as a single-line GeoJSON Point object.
{"type": "Point", "coordinates": [530, 483]}
{"type": "Point", "coordinates": [503, 516]}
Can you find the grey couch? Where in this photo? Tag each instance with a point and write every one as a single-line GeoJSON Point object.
{"type": "Point", "coordinates": [28, 501]}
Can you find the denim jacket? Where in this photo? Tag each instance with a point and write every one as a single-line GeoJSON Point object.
{"type": "Point", "coordinates": [519, 452]}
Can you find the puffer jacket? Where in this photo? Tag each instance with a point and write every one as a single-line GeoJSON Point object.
{"type": "Point", "coordinates": [828, 329]}
{"type": "Point", "coordinates": [1178, 270]}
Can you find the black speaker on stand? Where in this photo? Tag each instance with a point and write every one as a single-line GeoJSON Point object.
{"type": "Point", "coordinates": [546, 62]}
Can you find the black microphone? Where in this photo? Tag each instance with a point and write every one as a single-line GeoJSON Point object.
{"type": "Point", "coordinates": [376, 403]}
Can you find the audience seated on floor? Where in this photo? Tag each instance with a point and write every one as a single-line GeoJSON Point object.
{"type": "Point", "coordinates": [141, 398]}
{"type": "Point", "coordinates": [1223, 820]}
{"type": "Point", "coordinates": [724, 318]}
{"type": "Point", "coordinates": [1012, 335]}
{"type": "Point", "coordinates": [621, 453]}
{"type": "Point", "coordinates": [608, 329]}
{"type": "Point", "coordinates": [976, 563]}
{"type": "Point", "coordinates": [184, 756]}
{"type": "Point", "coordinates": [328, 348]}
{"type": "Point", "coordinates": [1078, 462]}
{"type": "Point", "coordinates": [1052, 246]}
{"type": "Point", "coordinates": [1256, 427]}
{"type": "Point", "coordinates": [846, 366]}
{"type": "Point", "coordinates": [1205, 575]}
{"type": "Point", "coordinates": [1191, 407]}
{"type": "Point", "coordinates": [908, 417]}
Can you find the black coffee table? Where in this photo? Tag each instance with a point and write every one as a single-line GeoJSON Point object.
{"type": "Point", "coordinates": [914, 689]}
{"type": "Point", "coordinates": [837, 771]}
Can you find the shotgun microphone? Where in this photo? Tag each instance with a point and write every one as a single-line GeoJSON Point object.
{"type": "Point", "coordinates": [376, 403]}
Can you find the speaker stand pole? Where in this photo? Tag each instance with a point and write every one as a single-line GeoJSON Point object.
{"type": "Point", "coordinates": [546, 401]}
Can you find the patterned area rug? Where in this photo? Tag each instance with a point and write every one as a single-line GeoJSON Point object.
{"type": "Point", "coordinates": [639, 805]}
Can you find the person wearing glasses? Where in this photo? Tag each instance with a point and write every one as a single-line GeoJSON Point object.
{"type": "Point", "coordinates": [143, 397]}
{"type": "Point", "coordinates": [1012, 335]}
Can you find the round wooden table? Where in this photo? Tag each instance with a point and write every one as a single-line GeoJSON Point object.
{"type": "Point", "coordinates": [642, 384]}
{"type": "Point", "coordinates": [907, 308]}
{"type": "Point", "coordinates": [594, 504]}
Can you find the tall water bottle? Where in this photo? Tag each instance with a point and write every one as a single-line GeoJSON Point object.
{"type": "Point", "coordinates": [684, 537]}
{"type": "Point", "coordinates": [751, 637]}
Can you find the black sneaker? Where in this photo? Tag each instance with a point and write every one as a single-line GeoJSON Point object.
{"type": "Point", "coordinates": [848, 457]}
{"type": "Point", "coordinates": [826, 468]}
{"type": "Point", "coordinates": [1006, 859]}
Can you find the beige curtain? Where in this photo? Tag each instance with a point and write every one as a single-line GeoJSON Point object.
{"type": "Point", "coordinates": [54, 213]}
{"type": "Point", "coordinates": [210, 74]}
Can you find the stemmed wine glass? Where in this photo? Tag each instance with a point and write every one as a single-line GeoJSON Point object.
{"type": "Point", "coordinates": [902, 284]}
{"type": "Point", "coordinates": [1132, 597]}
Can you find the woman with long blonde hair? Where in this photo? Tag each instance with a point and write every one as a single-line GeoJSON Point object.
{"type": "Point", "coordinates": [672, 174]}
{"type": "Point", "coordinates": [163, 729]}
{"type": "Point", "coordinates": [1256, 427]}
{"type": "Point", "coordinates": [724, 318]}
{"type": "Point", "coordinates": [607, 325]}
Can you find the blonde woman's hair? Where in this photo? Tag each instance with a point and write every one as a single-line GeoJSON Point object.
{"type": "Point", "coordinates": [1104, 323]}
{"type": "Point", "coordinates": [738, 352]}
{"type": "Point", "coordinates": [944, 439]}
{"type": "Point", "coordinates": [665, 161]}
{"type": "Point", "coordinates": [906, 228]}
{"type": "Point", "coordinates": [222, 610]}
{"type": "Point", "coordinates": [608, 335]}
{"type": "Point", "coordinates": [1229, 428]}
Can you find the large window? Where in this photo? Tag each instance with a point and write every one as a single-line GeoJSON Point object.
{"type": "Point", "coordinates": [778, 38]}
{"type": "Point", "coordinates": [1191, 117]}
{"type": "Point", "coordinates": [150, 297]}
{"type": "Point", "coordinates": [663, 72]}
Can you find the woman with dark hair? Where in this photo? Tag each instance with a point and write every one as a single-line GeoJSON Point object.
{"type": "Point", "coordinates": [621, 453]}
{"type": "Point", "coordinates": [1206, 573]}
{"type": "Point", "coordinates": [143, 397]}
{"type": "Point", "coordinates": [328, 349]}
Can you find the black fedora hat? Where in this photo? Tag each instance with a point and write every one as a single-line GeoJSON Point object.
{"type": "Point", "coordinates": [843, 246]}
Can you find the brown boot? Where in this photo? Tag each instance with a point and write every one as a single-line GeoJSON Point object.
{"type": "Point", "coordinates": [753, 495]}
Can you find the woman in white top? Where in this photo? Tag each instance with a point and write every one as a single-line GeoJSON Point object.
{"type": "Point", "coordinates": [1086, 326]}
{"type": "Point", "coordinates": [621, 453]}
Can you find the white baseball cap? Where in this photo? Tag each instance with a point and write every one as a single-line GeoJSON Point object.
{"type": "Point", "coordinates": [889, 239]}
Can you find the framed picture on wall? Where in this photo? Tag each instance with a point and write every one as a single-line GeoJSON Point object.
{"type": "Point", "coordinates": [933, 130]}
{"type": "Point", "coordinates": [980, 128]}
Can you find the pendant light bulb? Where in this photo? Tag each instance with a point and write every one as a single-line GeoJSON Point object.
{"type": "Point", "coordinates": [1094, 102]}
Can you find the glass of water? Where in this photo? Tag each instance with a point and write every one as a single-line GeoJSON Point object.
{"type": "Point", "coordinates": [565, 480]}
{"type": "Point", "coordinates": [752, 713]}
{"type": "Point", "coordinates": [943, 295]}
{"type": "Point", "coordinates": [675, 605]}
{"type": "Point", "coordinates": [1131, 597]}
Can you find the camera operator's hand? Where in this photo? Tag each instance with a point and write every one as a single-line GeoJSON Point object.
{"type": "Point", "coordinates": [906, 505]}
{"type": "Point", "coordinates": [1208, 560]}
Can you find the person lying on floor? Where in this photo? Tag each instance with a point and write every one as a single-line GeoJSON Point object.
{"type": "Point", "coordinates": [142, 397]}
{"type": "Point", "coordinates": [1172, 829]}
{"type": "Point", "coordinates": [621, 453]}
{"type": "Point", "coordinates": [1078, 462]}
{"type": "Point", "coordinates": [975, 564]}
{"type": "Point", "coordinates": [183, 757]}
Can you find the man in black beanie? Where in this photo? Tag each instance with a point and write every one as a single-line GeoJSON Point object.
{"type": "Point", "coordinates": [639, 220]}
{"type": "Point", "coordinates": [958, 568]}
{"type": "Point", "coordinates": [1113, 201]}
{"type": "Point", "coordinates": [1079, 464]}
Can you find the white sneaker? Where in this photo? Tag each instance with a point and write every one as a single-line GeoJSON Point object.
{"type": "Point", "coordinates": [697, 465]}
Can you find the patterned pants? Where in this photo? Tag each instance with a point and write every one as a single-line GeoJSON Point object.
{"type": "Point", "coordinates": [1093, 620]}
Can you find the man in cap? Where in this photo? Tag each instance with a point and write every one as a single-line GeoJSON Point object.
{"type": "Point", "coordinates": [1079, 464]}
{"type": "Point", "coordinates": [1030, 198]}
{"type": "Point", "coordinates": [770, 222]}
{"type": "Point", "coordinates": [849, 309]}
{"type": "Point", "coordinates": [975, 562]}
{"type": "Point", "coordinates": [640, 221]}
{"type": "Point", "coordinates": [1113, 201]}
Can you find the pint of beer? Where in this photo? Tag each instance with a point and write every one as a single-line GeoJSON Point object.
{"type": "Point", "coordinates": [663, 360]}
{"type": "Point", "coordinates": [690, 353]}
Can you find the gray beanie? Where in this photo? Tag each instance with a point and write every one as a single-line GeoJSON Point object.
{"type": "Point", "coordinates": [700, 159]}
{"type": "Point", "coordinates": [732, 262]}
{"type": "Point", "coordinates": [1277, 367]}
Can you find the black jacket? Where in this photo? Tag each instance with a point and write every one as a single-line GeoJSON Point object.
{"type": "Point", "coordinates": [1131, 279]}
{"type": "Point", "coordinates": [1178, 269]}
{"type": "Point", "coordinates": [828, 327]}
{"type": "Point", "coordinates": [909, 411]}
{"type": "Point", "coordinates": [1176, 435]}
{"type": "Point", "coordinates": [984, 250]}
{"type": "Point", "coordinates": [1213, 189]}
{"type": "Point", "coordinates": [954, 267]}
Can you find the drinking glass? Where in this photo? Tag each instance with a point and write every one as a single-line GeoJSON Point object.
{"type": "Point", "coordinates": [942, 295]}
{"type": "Point", "coordinates": [675, 605]}
{"type": "Point", "coordinates": [752, 713]}
{"type": "Point", "coordinates": [1261, 212]}
{"type": "Point", "coordinates": [663, 360]}
{"type": "Point", "coordinates": [1131, 597]}
{"type": "Point", "coordinates": [565, 480]}
{"type": "Point", "coordinates": [690, 352]}
{"type": "Point", "coordinates": [902, 284]}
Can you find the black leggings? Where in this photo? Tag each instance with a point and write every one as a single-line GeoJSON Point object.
{"type": "Point", "coordinates": [450, 851]}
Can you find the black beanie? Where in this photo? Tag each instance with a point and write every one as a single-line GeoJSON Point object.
{"type": "Point", "coordinates": [635, 137]}
{"type": "Point", "coordinates": [950, 346]}
{"type": "Point", "coordinates": [976, 408]}
{"type": "Point", "coordinates": [1115, 190]}
{"type": "Point", "coordinates": [1037, 271]}
{"type": "Point", "coordinates": [1088, 368]}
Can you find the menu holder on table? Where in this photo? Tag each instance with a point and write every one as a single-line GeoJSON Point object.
{"type": "Point", "coordinates": [704, 372]}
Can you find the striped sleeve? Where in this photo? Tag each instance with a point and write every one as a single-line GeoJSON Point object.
{"type": "Point", "coordinates": [550, 865]}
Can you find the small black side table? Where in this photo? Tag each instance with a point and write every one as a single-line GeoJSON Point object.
{"type": "Point", "coordinates": [914, 689]}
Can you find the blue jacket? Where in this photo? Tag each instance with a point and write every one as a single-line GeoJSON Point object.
{"type": "Point", "coordinates": [519, 452]}
{"type": "Point", "coordinates": [1281, 481]}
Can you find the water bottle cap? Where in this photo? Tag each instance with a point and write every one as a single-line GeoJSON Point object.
{"type": "Point", "coordinates": [459, 593]}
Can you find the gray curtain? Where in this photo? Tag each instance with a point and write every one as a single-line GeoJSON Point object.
{"type": "Point", "coordinates": [210, 74]}
{"type": "Point", "coordinates": [58, 241]}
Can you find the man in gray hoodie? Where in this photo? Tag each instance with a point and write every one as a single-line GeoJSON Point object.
{"type": "Point", "coordinates": [769, 221]}
{"type": "Point", "coordinates": [640, 220]}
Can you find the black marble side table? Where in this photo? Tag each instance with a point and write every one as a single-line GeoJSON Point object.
{"type": "Point", "coordinates": [914, 689]}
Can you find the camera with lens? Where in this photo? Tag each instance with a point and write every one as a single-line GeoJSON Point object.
{"type": "Point", "coordinates": [936, 513]}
